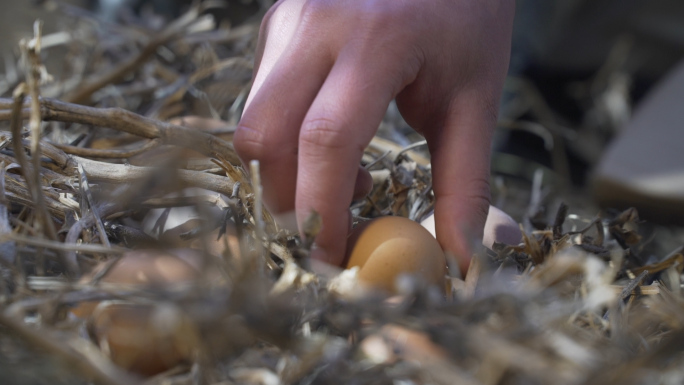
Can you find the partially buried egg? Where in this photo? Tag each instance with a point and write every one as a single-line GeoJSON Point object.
{"type": "Point", "coordinates": [387, 247]}
{"type": "Point", "coordinates": [144, 338]}
{"type": "Point", "coordinates": [146, 269]}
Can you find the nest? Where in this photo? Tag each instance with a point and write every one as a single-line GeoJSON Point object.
{"type": "Point", "coordinates": [117, 137]}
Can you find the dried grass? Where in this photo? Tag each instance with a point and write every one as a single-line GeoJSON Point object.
{"type": "Point", "coordinates": [567, 306]}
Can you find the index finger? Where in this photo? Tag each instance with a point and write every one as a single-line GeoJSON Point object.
{"type": "Point", "coordinates": [338, 126]}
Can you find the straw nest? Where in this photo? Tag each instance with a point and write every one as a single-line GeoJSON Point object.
{"type": "Point", "coordinates": [89, 154]}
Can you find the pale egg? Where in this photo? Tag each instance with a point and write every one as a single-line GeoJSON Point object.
{"type": "Point", "coordinates": [499, 228]}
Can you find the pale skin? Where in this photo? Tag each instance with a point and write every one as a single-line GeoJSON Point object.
{"type": "Point", "coordinates": [325, 72]}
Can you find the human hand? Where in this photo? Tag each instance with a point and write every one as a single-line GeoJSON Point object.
{"type": "Point", "coordinates": [326, 71]}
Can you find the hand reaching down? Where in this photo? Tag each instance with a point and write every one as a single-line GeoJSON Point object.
{"type": "Point", "coordinates": [326, 71]}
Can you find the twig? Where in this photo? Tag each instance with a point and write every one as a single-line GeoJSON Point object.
{"type": "Point", "coordinates": [107, 154]}
{"type": "Point", "coordinates": [411, 146]}
{"type": "Point", "coordinates": [39, 242]}
{"type": "Point", "coordinates": [256, 186]}
{"type": "Point", "coordinates": [20, 195]}
{"type": "Point", "coordinates": [32, 176]}
{"type": "Point", "coordinates": [132, 123]}
{"type": "Point", "coordinates": [200, 75]}
{"type": "Point", "coordinates": [599, 251]}
{"type": "Point", "coordinates": [380, 145]}
{"type": "Point", "coordinates": [558, 222]}
{"type": "Point", "coordinates": [585, 228]}
{"type": "Point", "coordinates": [85, 189]}
{"type": "Point", "coordinates": [536, 197]}
{"type": "Point", "coordinates": [85, 222]}
{"type": "Point", "coordinates": [599, 233]}
{"type": "Point", "coordinates": [7, 249]}
{"type": "Point", "coordinates": [259, 225]}
{"type": "Point", "coordinates": [119, 173]}
{"type": "Point", "coordinates": [118, 72]}
{"type": "Point", "coordinates": [31, 53]}
{"type": "Point", "coordinates": [378, 159]}
{"type": "Point", "coordinates": [627, 291]}
{"type": "Point", "coordinates": [472, 277]}
{"type": "Point", "coordinates": [184, 201]}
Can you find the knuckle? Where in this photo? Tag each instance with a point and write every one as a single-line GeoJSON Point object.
{"type": "Point", "coordinates": [385, 17]}
{"type": "Point", "coordinates": [482, 210]}
{"type": "Point", "coordinates": [313, 9]}
{"type": "Point", "coordinates": [250, 143]}
{"type": "Point", "coordinates": [475, 193]}
{"type": "Point", "coordinates": [318, 17]}
{"type": "Point", "coordinates": [488, 96]}
{"type": "Point", "coordinates": [478, 192]}
{"type": "Point", "coordinates": [322, 133]}
{"type": "Point", "coordinates": [491, 109]}
{"type": "Point", "coordinates": [478, 189]}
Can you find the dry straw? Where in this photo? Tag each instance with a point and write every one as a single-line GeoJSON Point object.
{"type": "Point", "coordinates": [570, 305]}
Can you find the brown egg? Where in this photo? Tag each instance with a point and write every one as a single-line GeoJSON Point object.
{"type": "Point", "coordinates": [143, 338]}
{"type": "Point", "coordinates": [388, 247]}
{"type": "Point", "coordinates": [151, 268]}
